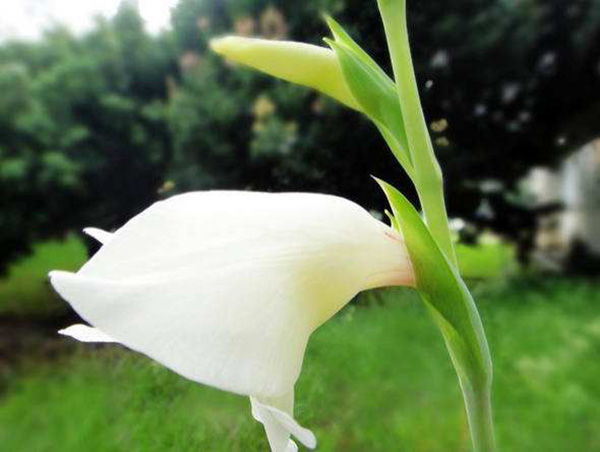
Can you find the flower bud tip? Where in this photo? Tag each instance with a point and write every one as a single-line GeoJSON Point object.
{"type": "Point", "coordinates": [218, 45]}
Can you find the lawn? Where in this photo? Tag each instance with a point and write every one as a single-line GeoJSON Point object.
{"type": "Point", "coordinates": [376, 378]}
{"type": "Point", "coordinates": [487, 260]}
{"type": "Point", "coordinates": [25, 289]}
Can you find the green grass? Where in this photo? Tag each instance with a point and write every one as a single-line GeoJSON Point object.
{"type": "Point", "coordinates": [25, 290]}
{"type": "Point", "coordinates": [375, 378]}
{"type": "Point", "coordinates": [484, 260]}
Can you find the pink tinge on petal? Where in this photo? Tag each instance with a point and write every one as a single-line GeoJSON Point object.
{"type": "Point", "coordinates": [391, 261]}
{"type": "Point", "coordinates": [392, 278]}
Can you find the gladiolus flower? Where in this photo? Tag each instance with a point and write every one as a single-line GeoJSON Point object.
{"type": "Point", "coordinates": [225, 288]}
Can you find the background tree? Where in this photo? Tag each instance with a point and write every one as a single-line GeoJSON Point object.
{"type": "Point", "coordinates": [94, 128]}
{"type": "Point", "coordinates": [84, 140]}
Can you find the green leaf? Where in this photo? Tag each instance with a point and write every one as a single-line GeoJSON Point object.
{"type": "Point", "coordinates": [296, 62]}
{"type": "Point", "coordinates": [451, 305]}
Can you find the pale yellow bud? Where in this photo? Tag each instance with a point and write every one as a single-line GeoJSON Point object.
{"type": "Point", "coordinates": [304, 64]}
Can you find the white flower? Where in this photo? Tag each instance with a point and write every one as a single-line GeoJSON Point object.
{"type": "Point", "coordinates": [225, 288]}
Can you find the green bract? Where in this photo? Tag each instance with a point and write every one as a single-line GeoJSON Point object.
{"type": "Point", "coordinates": [373, 90]}
{"type": "Point", "coordinates": [449, 302]}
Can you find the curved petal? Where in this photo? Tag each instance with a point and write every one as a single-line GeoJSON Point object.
{"type": "Point", "coordinates": [276, 414]}
{"type": "Point", "coordinates": [102, 236]}
{"type": "Point", "coordinates": [236, 346]}
{"type": "Point", "coordinates": [85, 333]}
{"type": "Point", "coordinates": [225, 288]}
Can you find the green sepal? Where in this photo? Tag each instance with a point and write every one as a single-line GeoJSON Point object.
{"type": "Point", "coordinates": [446, 297]}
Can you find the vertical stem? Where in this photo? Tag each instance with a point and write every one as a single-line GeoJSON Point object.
{"type": "Point", "coordinates": [428, 175]}
{"type": "Point", "coordinates": [479, 414]}
{"type": "Point", "coordinates": [429, 183]}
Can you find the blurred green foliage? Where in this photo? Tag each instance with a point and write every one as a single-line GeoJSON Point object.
{"type": "Point", "coordinates": [25, 289]}
{"type": "Point", "coordinates": [94, 128]}
{"type": "Point", "coordinates": [486, 260]}
{"type": "Point", "coordinates": [370, 381]}
{"type": "Point", "coordinates": [83, 133]}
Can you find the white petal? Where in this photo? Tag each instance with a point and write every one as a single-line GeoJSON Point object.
{"type": "Point", "coordinates": [102, 236]}
{"type": "Point", "coordinates": [292, 447]}
{"type": "Point", "coordinates": [276, 414]}
{"type": "Point", "coordinates": [85, 333]}
{"type": "Point", "coordinates": [304, 435]}
{"type": "Point", "coordinates": [226, 287]}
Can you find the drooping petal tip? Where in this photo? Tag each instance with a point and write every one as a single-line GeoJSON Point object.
{"type": "Point", "coordinates": [56, 277]}
{"type": "Point", "coordinates": [280, 425]}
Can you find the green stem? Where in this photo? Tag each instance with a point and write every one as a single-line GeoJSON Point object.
{"type": "Point", "coordinates": [429, 184]}
{"type": "Point", "coordinates": [479, 413]}
{"type": "Point", "coordinates": [428, 176]}
{"type": "Point", "coordinates": [431, 197]}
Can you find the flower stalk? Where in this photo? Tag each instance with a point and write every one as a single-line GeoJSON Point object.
{"type": "Point", "coordinates": [479, 413]}
{"type": "Point", "coordinates": [428, 175]}
{"type": "Point", "coordinates": [428, 181]}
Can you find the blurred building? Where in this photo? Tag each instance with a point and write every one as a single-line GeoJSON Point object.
{"type": "Point", "coordinates": [565, 234]}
